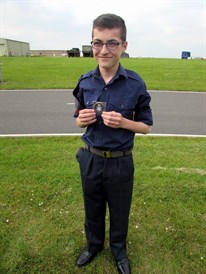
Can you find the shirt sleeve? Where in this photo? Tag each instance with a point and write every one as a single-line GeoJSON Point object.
{"type": "Point", "coordinates": [79, 100]}
{"type": "Point", "coordinates": [78, 107]}
{"type": "Point", "coordinates": [143, 112]}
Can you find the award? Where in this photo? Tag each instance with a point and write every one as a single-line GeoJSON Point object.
{"type": "Point", "coordinates": [99, 107]}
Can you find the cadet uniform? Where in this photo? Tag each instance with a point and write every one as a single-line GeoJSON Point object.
{"type": "Point", "coordinates": [106, 161]}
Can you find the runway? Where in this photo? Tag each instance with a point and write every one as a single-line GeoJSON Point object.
{"type": "Point", "coordinates": [50, 112]}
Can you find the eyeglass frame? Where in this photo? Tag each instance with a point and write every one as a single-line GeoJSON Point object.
{"type": "Point", "coordinates": [106, 44]}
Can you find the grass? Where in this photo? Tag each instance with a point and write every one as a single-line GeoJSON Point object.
{"type": "Point", "coordinates": [63, 72]}
{"type": "Point", "coordinates": [41, 207]}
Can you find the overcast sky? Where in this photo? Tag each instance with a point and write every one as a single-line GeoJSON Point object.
{"type": "Point", "coordinates": [156, 28]}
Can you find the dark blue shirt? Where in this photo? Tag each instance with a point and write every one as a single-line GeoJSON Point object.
{"type": "Point", "coordinates": [125, 93]}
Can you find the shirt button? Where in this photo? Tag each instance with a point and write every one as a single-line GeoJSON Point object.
{"type": "Point", "coordinates": [105, 88]}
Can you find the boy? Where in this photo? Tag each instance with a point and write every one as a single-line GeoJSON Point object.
{"type": "Point", "coordinates": [113, 104]}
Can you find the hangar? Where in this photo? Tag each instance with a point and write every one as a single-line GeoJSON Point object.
{"type": "Point", "coordinates": [10, 47]}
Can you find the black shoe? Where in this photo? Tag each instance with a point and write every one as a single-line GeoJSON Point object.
{"type": "Point", "coordinates": [123, 266]}
{"type": "Point", "coordinates": [86, 257]}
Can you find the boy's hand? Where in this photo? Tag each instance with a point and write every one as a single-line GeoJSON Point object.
{"type": "Point", "coordinates": [112, 119]}
{"type": "Point", "coordinates": [86, 117]}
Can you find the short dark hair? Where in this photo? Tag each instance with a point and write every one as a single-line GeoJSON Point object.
{"type": "Point", "coordinates": [110, 21]}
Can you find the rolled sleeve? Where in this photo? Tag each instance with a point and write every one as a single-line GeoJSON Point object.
{"type": "Point", "coordinates": [78, 107]}
{"type": "Point", "coordinates": [79, 101]}
{"type": "Point", "coordinates": [143, 112]}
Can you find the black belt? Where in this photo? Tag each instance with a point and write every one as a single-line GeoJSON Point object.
{"type": "Point", "coordinates": [108, 154]}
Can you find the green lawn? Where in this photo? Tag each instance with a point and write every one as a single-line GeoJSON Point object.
{"type": "Point", "coordinates": [41, 207]}
{"type": "Point", "coordinates": [63, 72]}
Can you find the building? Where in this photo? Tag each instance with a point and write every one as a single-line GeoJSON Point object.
{"type": "Point", "coordinates": [47, 52]}
{"type": "Point", "coordinates": [10, 47]}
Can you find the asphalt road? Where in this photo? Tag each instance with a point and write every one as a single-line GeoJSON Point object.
{"type": "Point", "coordinates": [51, 112]}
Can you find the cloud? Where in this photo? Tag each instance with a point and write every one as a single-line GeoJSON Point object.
{"type": "Point", "coordinates": [155, 28]}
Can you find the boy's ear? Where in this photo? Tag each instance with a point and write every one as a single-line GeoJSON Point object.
{"type": "Point", "coordinates": [125, 45]}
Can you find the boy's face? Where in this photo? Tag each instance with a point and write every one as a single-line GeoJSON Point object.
{"type": "Point", "coordinates": [108, 57]}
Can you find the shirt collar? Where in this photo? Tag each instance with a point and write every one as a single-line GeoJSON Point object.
{"type": "Point", "coordinates": [120, 72]}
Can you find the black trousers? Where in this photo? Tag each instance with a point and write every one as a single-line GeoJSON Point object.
{"type": "Point", "coordinates": [106, 181]}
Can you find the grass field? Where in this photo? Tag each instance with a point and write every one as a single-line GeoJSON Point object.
{"type": "Point", "coordinates": [41, 207]}
{"type": "Point", "coordinates": [63, 72]}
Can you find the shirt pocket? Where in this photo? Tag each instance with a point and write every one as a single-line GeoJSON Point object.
{"type": "Point", "coordinates": [125, 108]}
{"type": "Point", "coordinates": [90, 98]}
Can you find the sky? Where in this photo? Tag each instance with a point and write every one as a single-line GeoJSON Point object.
{"type": "Point", "coordinates": [155, 28]}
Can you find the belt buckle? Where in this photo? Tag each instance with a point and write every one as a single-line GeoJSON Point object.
{"type": "Point", "coordinates": [106, 154]}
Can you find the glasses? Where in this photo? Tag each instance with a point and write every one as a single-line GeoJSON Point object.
{"type": "Point", "coordinates": [111, 45]}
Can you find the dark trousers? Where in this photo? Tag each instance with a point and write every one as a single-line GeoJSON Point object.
{"type": "Point", "coordinates": [106, 181]}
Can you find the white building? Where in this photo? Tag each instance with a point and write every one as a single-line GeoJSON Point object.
{"type": "Point", "coordinates": [10, 47]}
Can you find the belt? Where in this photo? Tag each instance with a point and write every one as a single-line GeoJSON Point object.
{"type": "Point", "coordinates": [108, 154]}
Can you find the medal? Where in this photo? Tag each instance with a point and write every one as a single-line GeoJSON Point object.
{"type": "Point", "coordinates": [99, 107]}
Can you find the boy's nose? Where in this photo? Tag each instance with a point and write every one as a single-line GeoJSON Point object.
{"type": "Point", "coordinates": [104, 48]}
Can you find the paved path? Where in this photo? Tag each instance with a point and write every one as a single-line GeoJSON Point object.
{"type": "Point", "coordinates": [51, 112]}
